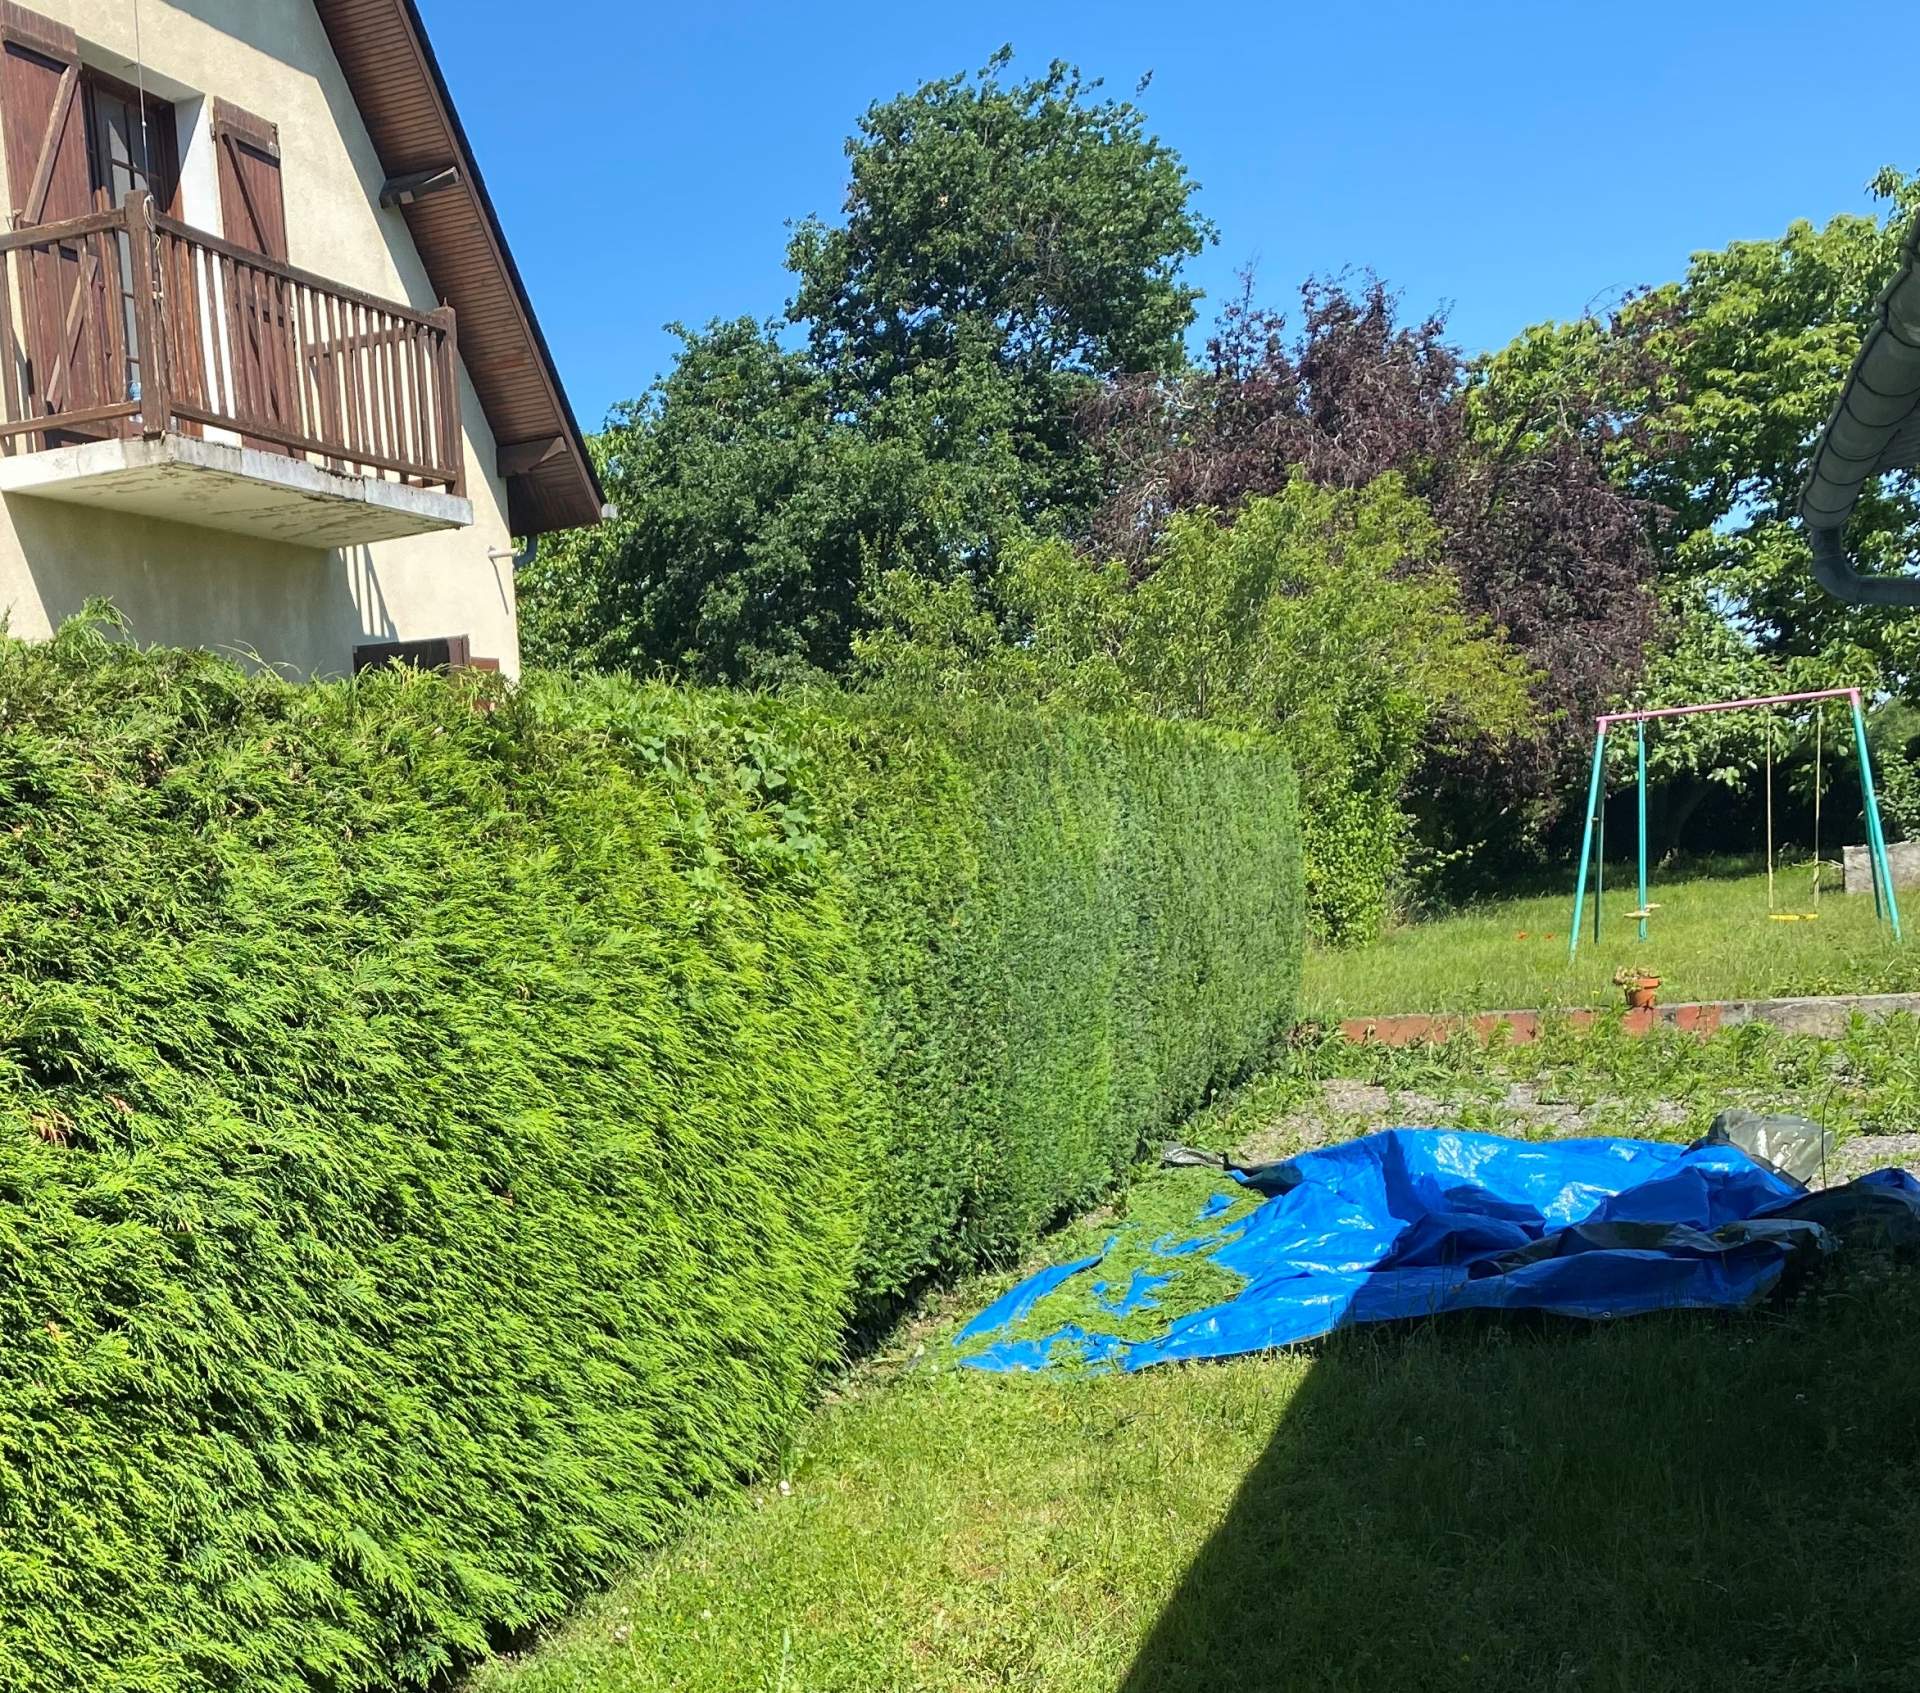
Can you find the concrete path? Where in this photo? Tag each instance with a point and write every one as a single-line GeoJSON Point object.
{"type": "Point", "coordinates": [1347, 1109]}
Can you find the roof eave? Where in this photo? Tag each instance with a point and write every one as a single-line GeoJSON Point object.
{"type": "Point", "coordinates": [560, 490]}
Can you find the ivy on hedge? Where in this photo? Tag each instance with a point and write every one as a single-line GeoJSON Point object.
{"type": "Point", "coordinates": [436, 1144]}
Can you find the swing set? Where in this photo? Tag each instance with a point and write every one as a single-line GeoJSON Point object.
{"type": "Point", "coordinates": [1594, 843]}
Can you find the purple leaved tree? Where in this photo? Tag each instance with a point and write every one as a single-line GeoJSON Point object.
{"type": "Point", "coordinates": [1514, 472]}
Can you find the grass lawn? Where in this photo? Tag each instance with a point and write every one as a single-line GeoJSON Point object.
{"type": "Point", "coordinates": [1711, 938]}
{"type": "Point", "coordinates": [1673, 1505]}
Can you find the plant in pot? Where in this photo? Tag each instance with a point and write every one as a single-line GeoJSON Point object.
{"type": "Point", "coordinates": [1640, 985]}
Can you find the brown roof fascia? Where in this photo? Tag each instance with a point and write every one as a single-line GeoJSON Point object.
{"type": "Point", "coordinates": [413, 123]}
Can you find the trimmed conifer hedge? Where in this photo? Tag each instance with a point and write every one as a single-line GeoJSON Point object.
{"type": "Point", "coordinates": [1074, 927]}
{"type": "Point", "coordinates": [436, 1144]}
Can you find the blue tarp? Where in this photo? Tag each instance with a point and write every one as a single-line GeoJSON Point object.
{"type": "Point", "coordinates": [1416, 1222]}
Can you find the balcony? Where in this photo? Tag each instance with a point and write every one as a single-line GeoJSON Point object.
{"type": "Point", "coordinates": [153, 368]}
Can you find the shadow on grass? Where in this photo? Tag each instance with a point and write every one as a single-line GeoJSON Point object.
{"type": "Point", "coordinates": [1556, 880]}
{"type": "Point", "coordinates": [1666, 1504]}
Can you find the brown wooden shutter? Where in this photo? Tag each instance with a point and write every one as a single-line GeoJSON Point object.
{"type": "Point", "coordinates": [253, 212]}
{"type": "Point", "coordinates": [45, 120]}
{"type": "Point", "coordinates": [66, 285]}
{"type": "Point", "coordinates": [436, 652]}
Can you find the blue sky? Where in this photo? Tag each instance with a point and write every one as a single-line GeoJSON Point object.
{"type": "Point", "coordinates": [1513, 162]}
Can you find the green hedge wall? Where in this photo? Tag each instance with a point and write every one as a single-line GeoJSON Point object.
{"type": "Point", "coordinates": [436, 1144]}
{"type": "Point", "coordinates": [1074, 928]}
{"type": "Point", "coordinates": [426, 1162]}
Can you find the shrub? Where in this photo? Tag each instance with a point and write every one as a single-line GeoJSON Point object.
{"type": "Point", "coordinates": [1307, 618]}
{"type": "Point", "coordinates": [436, 1144]}
{"type": "Point", "coordinates": [1895, 735]}
{"type": "Point", "coordinates": [426, 1161]}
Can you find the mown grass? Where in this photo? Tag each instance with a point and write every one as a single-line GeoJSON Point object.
{"type": "Point", "coordinates": [1684, 1503]}
{"type": "Point", "coordinates": [1711, 938]}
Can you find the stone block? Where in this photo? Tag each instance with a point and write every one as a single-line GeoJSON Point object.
{"type": "Point", "coordinates": [1903, 859]}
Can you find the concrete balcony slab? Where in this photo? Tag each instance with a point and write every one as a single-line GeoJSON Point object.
{"type": "Point", "coordinates": [180, 478]}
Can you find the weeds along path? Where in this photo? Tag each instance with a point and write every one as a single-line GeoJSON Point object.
{"type": "Point", "coordinates": [1672, 1504]}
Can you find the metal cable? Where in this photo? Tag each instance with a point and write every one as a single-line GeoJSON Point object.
{"type": "Point", "coordinates": [140, 78]}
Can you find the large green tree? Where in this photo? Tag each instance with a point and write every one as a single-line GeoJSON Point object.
{"type": "Point", "coordinates": [1720, 383]}
{"type": "Point", "coordinates": [1032, 212]}
{"type": "Point", "coordinates": [751, 513]}
{"type": "Point", "coordinates": [1005, 246]}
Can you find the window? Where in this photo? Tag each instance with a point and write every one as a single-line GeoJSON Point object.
{"type": "Point", "coordinates": [125, 153]}
{"type": "Point", "coordinates": [78, 141]}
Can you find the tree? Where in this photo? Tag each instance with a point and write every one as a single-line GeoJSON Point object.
{"type": "Point", "coordinates": [1299, 619]}
{"type": "Point", "coordinates": [1027, 229]}
{"type": "Point", "coordinates": [1762, 335]}
{"type": "Point", "coordinates": [1722, 381]}
{"type": "Point", "coordinates": [751, 515]}
{"type": "Point", "coordinates": [1895, 734]}
{"type": "Point", "coordinates": [1541, 543]}
{"type": "Point", "coordinates": [1714, 388]}
{"type": "Point", "coordinates": [1047, 223]}
{"type": "Point", "coordinates": [1006, 245]}
{"type": "Point", "coordinates": [729, 552]}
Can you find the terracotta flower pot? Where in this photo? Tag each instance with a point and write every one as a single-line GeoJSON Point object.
{"type": "Point", "coordinates": [1641, 993]}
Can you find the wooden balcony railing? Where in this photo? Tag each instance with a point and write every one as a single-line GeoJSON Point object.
{"type": "Point", "coordinates": [127, 323]}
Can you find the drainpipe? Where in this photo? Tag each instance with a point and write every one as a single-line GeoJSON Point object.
{"type": "Point", "coordinates": [1874, 428]}
{"type": "Point", "coordinates": [527, 555]}
{"type": "Point", "coordinates": [1835, 572]}
{"type": "Point", "coordinates": [522, 558]}
{"type": "Point", "coordinates": [531, 551]}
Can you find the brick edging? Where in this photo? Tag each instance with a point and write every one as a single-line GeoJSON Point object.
{"type": "Point", "coordinates": [1826, 1015]}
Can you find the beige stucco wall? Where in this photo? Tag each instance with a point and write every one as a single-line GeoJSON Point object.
{"type": "Point", "coordinates": [295, 607]}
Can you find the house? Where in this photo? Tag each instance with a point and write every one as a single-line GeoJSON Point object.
{"type": "Point", "coordinates": [272, 381]}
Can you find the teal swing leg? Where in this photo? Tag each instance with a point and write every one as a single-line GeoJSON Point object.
{"type": "Point", "coordinates": [1586, 849]}
{"type": "Point", "coordinates": [1641, 726]}
{"type": "Point", "coordinates": [1883, 899]}
{"type": "Point", "coordinates": [1599, 861]}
